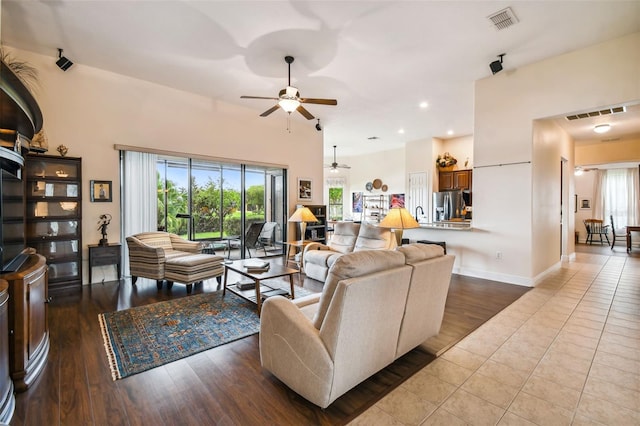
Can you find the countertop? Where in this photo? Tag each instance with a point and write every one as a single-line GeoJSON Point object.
{"type": "Point", "coordinates": [449, 225]}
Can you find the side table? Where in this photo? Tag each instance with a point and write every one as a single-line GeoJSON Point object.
{"type": "Point", "coordinates": [100, 255]}
{"type": "Point", "coordinates": [298, 246]}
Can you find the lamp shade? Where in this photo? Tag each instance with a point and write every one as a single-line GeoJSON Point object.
{"type": "Point", "coordinates": [303, 214]}
{"type": "Point", "coordinates": [399, 218]}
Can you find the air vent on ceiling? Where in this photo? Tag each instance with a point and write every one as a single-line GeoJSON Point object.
{"type": "Point", "coordinates": [607, 111]}
{"type": "Point", "coordinates": [610, 140]}
{"type": "Point", "coordinates": [503, 19]}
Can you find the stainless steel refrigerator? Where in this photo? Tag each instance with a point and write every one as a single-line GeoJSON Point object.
{"type": "Point", "coordinates": [448, 205]}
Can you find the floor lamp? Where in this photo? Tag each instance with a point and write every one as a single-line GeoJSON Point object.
{"type": "Point", "coordinates": [398, 219]}
{"type": "Point", "coordinates": [303, 215]}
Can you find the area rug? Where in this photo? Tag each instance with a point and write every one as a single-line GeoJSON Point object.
{"type": "Point", "coordinates": [149, 336]}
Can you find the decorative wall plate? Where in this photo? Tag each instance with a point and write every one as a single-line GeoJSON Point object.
{"type": "Point", "coordinates": [369, 186]}
{"type": "Point", "coordinates": [377, 183]}
{"type": "Point", "coordinates": [384, 188]}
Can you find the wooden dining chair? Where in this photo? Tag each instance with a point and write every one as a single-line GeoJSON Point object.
{"type": "Point", "coordinates": [596, 227]}
{"type": "Point", "coordinates": [617, 233]}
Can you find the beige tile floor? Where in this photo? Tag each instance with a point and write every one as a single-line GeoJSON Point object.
{"type": "Point", "coordinates": [566, 353]}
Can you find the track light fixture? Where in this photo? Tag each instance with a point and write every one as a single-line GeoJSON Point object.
{"type": "Point", "coordinates": [62, 62]}
{"type": "Point", "coordinates": [318, 128]}
{"type": "Point", "coordinates": [496, 66]}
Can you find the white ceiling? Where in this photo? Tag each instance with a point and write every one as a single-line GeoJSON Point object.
{"type": "Point", "coordinates": [379, 59]}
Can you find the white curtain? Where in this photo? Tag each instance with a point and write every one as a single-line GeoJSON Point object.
{"type": "Point", "coordinates": [140, 196]}
{"type": "Point", "coordinates": [620, 194]}
{"type": "Point", "coordinates": [599, 195]}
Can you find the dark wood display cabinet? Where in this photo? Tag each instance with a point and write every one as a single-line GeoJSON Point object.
{"type": "Point", "coordinates": [28, 326]}
{"type": "Point", "coordinates": [456, 179]}
{"type": "Point", "coordinates": [7, 399]}
{"type": "Point", "coordinates": [316, 231]}
{"type": "Point", "coordinates": [54, 217]}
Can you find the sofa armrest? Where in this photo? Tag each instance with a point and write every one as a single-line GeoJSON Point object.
{"type": "Point", "coordinates": [315, 246]}
{"type": "Point", "coordinates": [139, 248]}
{"type": "Point", "coordinates": [307, 300]}
{"type": "Point", "coordinates": [291, 348]}
{"type": "Point", "coordinates": [180, 244]}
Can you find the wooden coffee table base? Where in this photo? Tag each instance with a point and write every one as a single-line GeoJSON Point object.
{"type": "Point", "coordinates": [275, 271]}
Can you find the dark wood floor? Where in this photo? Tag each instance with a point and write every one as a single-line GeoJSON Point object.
{"type": "Point", "coordinates": [221, 386]}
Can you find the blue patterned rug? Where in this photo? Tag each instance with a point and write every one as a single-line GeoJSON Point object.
{"type": "Point", "coordinates": [149, 336]}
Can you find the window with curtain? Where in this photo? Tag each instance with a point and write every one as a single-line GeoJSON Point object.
{"type": "Point", "coordinates": [617, 193]}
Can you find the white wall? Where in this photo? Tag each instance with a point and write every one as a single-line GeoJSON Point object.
{"type": "Point", "coordinates": [89, 110]}
{"type": "Point", "coordinates": [516, 175]}
{"type": "Point", "coordinates": [506, 105]}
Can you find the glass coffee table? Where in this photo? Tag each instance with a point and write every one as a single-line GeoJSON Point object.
{"type": "Point", "coordinates": [261, 290]}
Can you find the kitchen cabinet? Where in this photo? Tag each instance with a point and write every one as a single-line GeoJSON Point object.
{"type": "Point", "coordinates": [54, 217]}
{"type": "Point", "coordinates": [455, 179]}
{"type": "Point", "coordinates": [29, 329]}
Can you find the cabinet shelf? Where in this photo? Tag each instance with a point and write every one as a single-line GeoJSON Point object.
{"type": "Point", "coordinates": [316, 231]}
{"type": "Point", "coordinates": [54, 217]}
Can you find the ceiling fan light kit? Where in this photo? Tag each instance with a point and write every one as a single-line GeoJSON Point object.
{"type": "Point", "coordinates": [289, 99]}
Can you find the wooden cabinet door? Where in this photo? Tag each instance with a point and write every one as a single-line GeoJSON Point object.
{"type": "Point", "coordinates": [445, 181]}
{"type": "Point", "coordinates": [37, 315]}
{"type": "Point", "coordinates": [462, 179]}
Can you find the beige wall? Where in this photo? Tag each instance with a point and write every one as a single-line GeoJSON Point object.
{"type": "Point", "coordinates": [90, 110]}
{"type": "Point", "coordinates": [608, 152]}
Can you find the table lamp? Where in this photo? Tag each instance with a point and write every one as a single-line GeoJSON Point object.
{"type": "Point", "coordinates": [398, 219]}
{"type": "Point", "coordinates": [303, 215]}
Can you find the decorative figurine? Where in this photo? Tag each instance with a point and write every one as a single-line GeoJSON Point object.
{"type": "Point", "coordinates": [105, 220]}
{"type": "Point", "coordinates": [62, 150]}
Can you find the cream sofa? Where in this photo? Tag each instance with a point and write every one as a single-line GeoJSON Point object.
{"type": "Point", "coordinates": [347, 237]}
{"type": "Point", "coordinates": [375, 306]}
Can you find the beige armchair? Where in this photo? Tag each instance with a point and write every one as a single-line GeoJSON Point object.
{"type": "Point", "coordinates": [347, 237]}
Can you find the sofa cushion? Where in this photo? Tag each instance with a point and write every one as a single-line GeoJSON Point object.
{"type": "Point", "coordinates": [374, 238]}
{"type": "Point", "coordinates": [344, 236]}
{"type": "Point", "coordinates": [416, 252]}
{"type": "Point", "coordinates": [353, 265]}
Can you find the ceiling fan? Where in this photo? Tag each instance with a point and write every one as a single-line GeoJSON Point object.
{"type": "Point", "coordinates": [335, 166]}
{"type": "Point", "coordinates": [289, 98]}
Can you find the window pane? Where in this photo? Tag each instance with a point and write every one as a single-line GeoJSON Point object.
{"type": "Point", "coordinates": [173, 195]}
{"type": "Point", "coordinates": [206, 200]}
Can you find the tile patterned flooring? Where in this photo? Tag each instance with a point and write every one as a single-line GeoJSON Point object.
{"type": "Point", "coordinates": [565, 353]}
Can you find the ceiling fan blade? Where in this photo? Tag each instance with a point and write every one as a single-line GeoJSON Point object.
{"type": "Point", "coordinates": [344, 166]}
{"type": "Point", "coordinates": [258, 97]}
{"type": "Point", "coordinates": [270, 110]}
{"type": "Point", "coordinates": [304, 112]}
{"type": "Point", "coordinates": [319, 101]}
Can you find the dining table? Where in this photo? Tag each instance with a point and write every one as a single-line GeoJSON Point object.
{"type": "Point", "coordinates": [635, 228]}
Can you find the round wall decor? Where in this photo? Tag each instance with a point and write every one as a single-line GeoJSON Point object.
{"type": "Point", "coordinates": [369, 186]}
{"type": "Point", "coordinates": [384, 188]}
{"type": "Point", "coordinates": [377, 183]}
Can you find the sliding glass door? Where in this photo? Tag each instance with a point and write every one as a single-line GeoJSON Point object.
{"type": "Point", "coordinates": [218, 203]}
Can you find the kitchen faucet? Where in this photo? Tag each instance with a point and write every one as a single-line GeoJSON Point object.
{"type": "Point", "coordinates": [421, 210]}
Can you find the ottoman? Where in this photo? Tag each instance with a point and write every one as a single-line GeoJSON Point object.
{"type": "Point", "coordinates": [193, 268]}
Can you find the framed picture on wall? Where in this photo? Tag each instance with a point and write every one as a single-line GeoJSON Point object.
{"type": "Point", "coordinates": [585, 203]}
{"type": "Point", "coordinates": [304, 189]}
{"type": "Point", "coordinates": [397, 200]}
{"type": "Point", "coordinates": [356, 203]}
{"type": "Point", "coordinates": [101, 191]}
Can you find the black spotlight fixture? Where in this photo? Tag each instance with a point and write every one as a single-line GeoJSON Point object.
{"type": "Point", "coordinates": [318, 128]}
{"type": "Point", "coordinates": [62, 62]}
{"type": "Point", "coordinates": [496, 66]}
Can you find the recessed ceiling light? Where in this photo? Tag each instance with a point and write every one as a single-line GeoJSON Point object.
{"type": "Point", "coordinates": [401, 131]}
{"type": "Point", "coordinates": [424, 105]}
{"type": "Point", "coordinates": [602, 128]}
{"type": "Point", "coordinates": [449, 132]}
